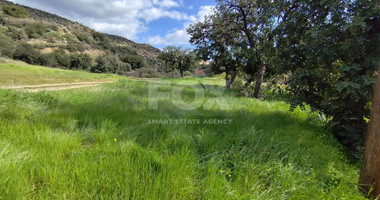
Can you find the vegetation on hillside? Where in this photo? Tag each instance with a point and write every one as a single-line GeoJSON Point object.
{"type": "Point", "coordinates": [41, 38]}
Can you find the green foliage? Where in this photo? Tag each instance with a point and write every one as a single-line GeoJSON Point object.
{"type": "Point", "coordinates": [62, 58]}
{"type": "Point", "coordinates": [333, 57]}
{"type": "Point", "coordinates": [331, 49]}
{"type": "Point", "coordinates": [187, 73]}
{"type": "Point", "coordinates": [98, 144]}
{"type": "Point", "coordinates": [7, 46]}
{"type": "Point", "coordinates": [149, 73]}
{"type": "Point", "coordinates": [27, 53]}
{"type": "Point", "coordinates": [36, 30]}
{"type": "Point", "coordinates": [16, 33]}
{"type": "Point", "coordinates": [126, 50]}
{"type": "Point", "coordinates": [110, 64]}
{"type": "Point", "coordinates": [102, 40]}
{"type": "Point", "coordinates": [175, 58]}
{"type": "Point", "coordinates": [82, 36]}
{"type": "Point", "coordinates": [135, 61]}
{"type": "Point", "coordinates": [15, 11]}
{"type": "Point", "coordinates": [80, 61]}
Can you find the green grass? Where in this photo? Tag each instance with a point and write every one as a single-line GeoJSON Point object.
{"type": "Point", "coordinates": [18, 73]}
{"type": "Point", "coordinates": [97, 143]}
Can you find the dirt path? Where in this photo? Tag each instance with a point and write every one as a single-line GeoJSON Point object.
{"type": "Point", "coordinates": [54, 87]}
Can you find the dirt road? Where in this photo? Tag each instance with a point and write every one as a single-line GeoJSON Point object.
{"type": "Point", "coordinates": [53, 87]}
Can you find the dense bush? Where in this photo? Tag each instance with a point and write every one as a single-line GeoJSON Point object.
{"type": "Point", "coordinates": [135, 61]}
{"type": "Point", "coordinates": [46, 60]}
{"type": "Point", "coordinates": [83, 37]}
{"type": "Point", "coordinates": [15, 11]}
{"type": "Point", "coordinates": [187, 73]}
{"type": "Point", "coordinates": [80, 61]}
{"type": "Point", "coordinates": [102, 65]}
{"type": "Point", "coordinates": [102, 40]}
{"type": "Point", "coordinates": [16, 33]}
{"type": "Point", "coordinates": [62, 58]}
{"type": "Point", "coordinates": [7, 46]}
{"type": "Point", "coordinates": [26, 53]}
{"type": "Point", "coordinates": [36, 30]}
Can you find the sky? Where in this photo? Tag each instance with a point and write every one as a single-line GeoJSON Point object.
{"type": "Point", "coordinates": [156, 22]}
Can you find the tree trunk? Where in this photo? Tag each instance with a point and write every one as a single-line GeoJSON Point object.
{"type": "Point", "coordinates": [259, 81]}
{"type": "Point", "coordinates": [249, 81]}
{"type": "Point", "coordinates": [370, 173]}
{"type": "Point", "coordinates": [230, 79]}
{"type": "Point", "coordinates": [181, 72]}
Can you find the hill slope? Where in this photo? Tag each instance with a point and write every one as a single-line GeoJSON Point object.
{"type": "Point", "coordinates": [39, 37]}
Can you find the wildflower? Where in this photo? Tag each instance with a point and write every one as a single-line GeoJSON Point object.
{"type": "Point", "coordinates": [115, 139]}
{"type": "Point", "coordinates": [221, 171]}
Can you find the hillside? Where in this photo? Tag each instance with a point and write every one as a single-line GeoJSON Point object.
{"type": "Point", "coordinates": [42, 38]}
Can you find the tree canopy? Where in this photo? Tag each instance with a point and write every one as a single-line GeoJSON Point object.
{"type": "Point", "coordinates": [176, 58]}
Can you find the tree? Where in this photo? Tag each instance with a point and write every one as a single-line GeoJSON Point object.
{"type": "Point", "coordinates": [80, 61]}
{"type": "Point", "coordinates": [370, 173]}
{"type": "Point", "coordinates": [177, 58]}
{"type": "Point", "coordinates": [243, 29]}
{"type": "Point", "coordinates": [255, 22]}
{"type": "Point", "coordinates": [135, 61]}
{"type": "Point", "coordinates": [26, 53]}
{"type": "Point", "coordinates": [332, 51]}
{"type": "Point", "coordinates": [215, 40]}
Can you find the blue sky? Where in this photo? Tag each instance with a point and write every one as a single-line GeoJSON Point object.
{"type": "Point", "coordinates": [157, 22]}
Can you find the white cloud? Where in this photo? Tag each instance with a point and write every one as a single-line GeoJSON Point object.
{"type": "Point", "coordinates": [204, 11]}
{"type": "Point", "coordinates": [177, 37]}
{"type": "Point", "coordinates": [166, 3]}
{"type": "Point", "coordinates": [180, 37]}
{"type": "Point", "coordinates": [157, 13]}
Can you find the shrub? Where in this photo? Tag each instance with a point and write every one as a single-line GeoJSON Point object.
{"type": "Point", "coordinates": [149, 73]}
{"type": "Point", "coordinates": [80, 61]}
{"type": "Point", "coordinates": [2, 20]}
{"type": "Point", "coordinates": [15, 33]}
{"type": "Point", "coordinates": [102, 40]}
{"type": "Point", "coordinates": [102, 65]}
{"type": "Point", "coordinates": [61, 57]}
{"type": "Point", "coordinates": [7, 46]}
{"type": "Point", "coordinates": [187, 73]}
{"type": "Point", "coordinates": [83, 37]}
{"type": "Point", "coordinates": [36, 30]}
{"type": "Point", "coordinates": [47, 60]}
{"type": "Point", "coordinates": [26, 53]}
{"type": "Point", "coordinates": [109, 64]}
{"type": "Point", "coordinates": [135, 61]}
{"type": "Point", "coordinates": [15, 11]}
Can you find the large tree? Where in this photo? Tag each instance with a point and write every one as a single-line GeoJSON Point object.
{"type": "Point", "coordinates": [243, 29]}
{"type": "Point", "coordinates": [332, 51]}
{"type": "Point", "coordinates": [370, 174]}
{"type": "Point", "coordinates": [255, 21]}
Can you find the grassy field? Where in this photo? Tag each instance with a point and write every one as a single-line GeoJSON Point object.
{"type": "Point", "coordinates": [107, 142]}
{"type": "Point", "coordinates": [18, 73]}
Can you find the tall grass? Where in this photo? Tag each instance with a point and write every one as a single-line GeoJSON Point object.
{"type": "Point", "coordinates": [99, 143]}
{"type": "Point", "coordinates": [19, 73]}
